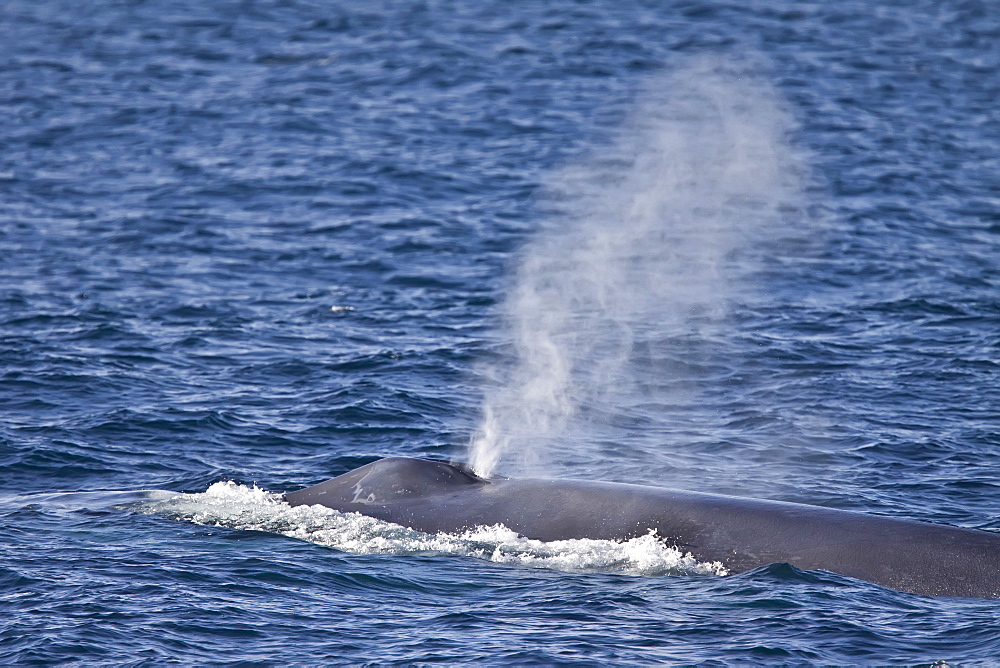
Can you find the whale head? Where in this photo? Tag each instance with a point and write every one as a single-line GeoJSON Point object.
{"type": "Point", "coordinates": [387, 481]}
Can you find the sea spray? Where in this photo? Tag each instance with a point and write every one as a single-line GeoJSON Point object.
{"type": "Point", "coordinates": [636, 252]}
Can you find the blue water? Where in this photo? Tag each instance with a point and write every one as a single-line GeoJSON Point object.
{"type": "Point", "coordinates": [749, 248]}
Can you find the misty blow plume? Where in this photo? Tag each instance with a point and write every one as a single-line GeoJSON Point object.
{"type": "Point", "coordinates": [638, 246]}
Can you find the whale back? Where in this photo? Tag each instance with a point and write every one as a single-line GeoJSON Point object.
{"type": "Point", "coordinates": [434, 496]}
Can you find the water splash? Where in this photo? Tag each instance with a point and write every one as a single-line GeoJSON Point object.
{"type": "Point", "coordinates": [637, 249]}
{"type": "Point", "coordinates": [235, 506]}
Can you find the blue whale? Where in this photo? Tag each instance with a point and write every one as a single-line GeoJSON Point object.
{"type": "Point", "coordinates": [742, 534]}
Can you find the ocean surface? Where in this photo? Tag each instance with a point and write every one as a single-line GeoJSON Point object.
{"type": "Point", "coordinates": [745, 248]}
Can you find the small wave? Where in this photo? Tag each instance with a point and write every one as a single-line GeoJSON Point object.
{"type": "Point", "coordinates": [227, 504]}
{"type": "Point", "coordinates": [84, 500]}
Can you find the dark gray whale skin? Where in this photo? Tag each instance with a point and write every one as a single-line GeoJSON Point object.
{"type": "Point", "coordinates": [906, 555]}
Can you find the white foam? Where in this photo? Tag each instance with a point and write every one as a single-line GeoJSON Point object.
{"type": "Point", "coordinates": [227, 504]}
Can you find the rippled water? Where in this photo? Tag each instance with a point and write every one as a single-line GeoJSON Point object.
{"type": "Point", "coordinates": [245, 247]}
